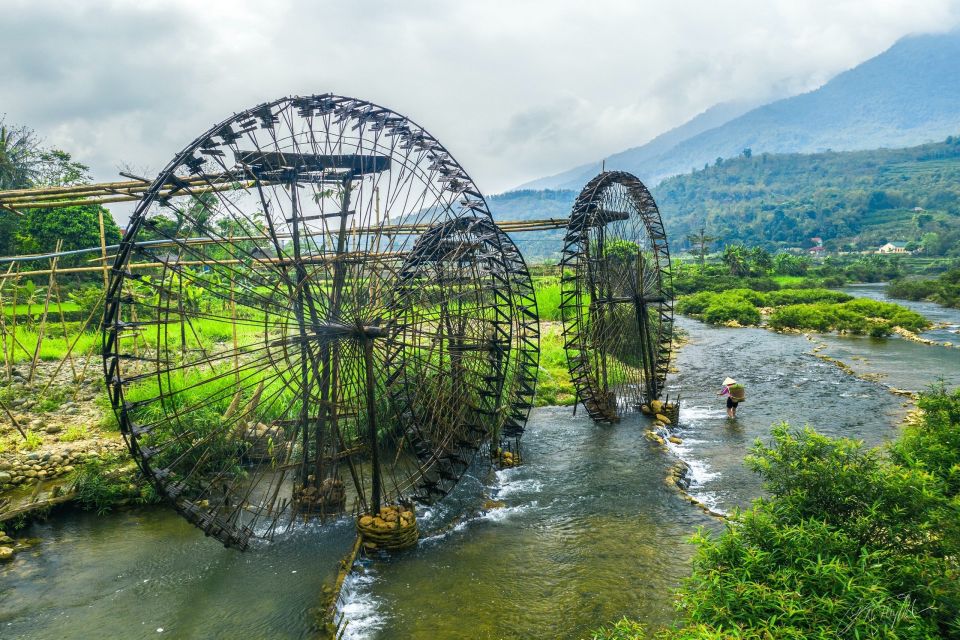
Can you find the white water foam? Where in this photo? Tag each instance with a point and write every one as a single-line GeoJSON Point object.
{"type": "Point", "coordinates": [510, 487]}
{"type": "Point", "coordinates": [696, 415]}
{"type": "Point", "coordinates": [359, 608]}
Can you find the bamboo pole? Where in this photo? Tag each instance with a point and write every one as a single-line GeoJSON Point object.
{"type": "Point", "coordinates": [191, 263]}
{"type": "Point", "coordinates": [130, 185]}
{"type": "Point", "coordinates": [8, 365]}
{"type": "Point", "coordinates": [46, 309]}
{"type": "Point", "coordinates": [13, 420]}
{"type": "Point", "coordinates": [388, 230]}
{"type": "Point", "coordinates": [113, 197]}
{"type": "Point", "coordinates": [63, 324]}
{"type": "Point", "coordinates": [83, 328]}
{"type": "Point", "coordinates": [103, 251]}
{"type": "Point", "coordinates": [13, 319]}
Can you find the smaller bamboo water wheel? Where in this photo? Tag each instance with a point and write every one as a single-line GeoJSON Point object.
{"type": "Point", "coordinates": [616, 297]}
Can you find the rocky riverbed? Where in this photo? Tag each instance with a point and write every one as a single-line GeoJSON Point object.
{"type": "Point", "coordinates": [52, 426]}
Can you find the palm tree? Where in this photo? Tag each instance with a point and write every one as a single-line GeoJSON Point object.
{"type": "Point", "coordinates": [735, 257]}
{"type": "Point", "coordinates": [761, 259]}
{"type": "Point", "coordinates": [19, 157]}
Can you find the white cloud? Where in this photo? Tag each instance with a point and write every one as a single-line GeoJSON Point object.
{"type": "Point", "coordinates": [515, 89]}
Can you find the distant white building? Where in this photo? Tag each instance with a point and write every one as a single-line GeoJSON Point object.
{"type": "Point", "coordinates": [893, 247]}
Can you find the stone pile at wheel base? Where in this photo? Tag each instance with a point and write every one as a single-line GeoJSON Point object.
{"type": "Point", "coordinates": [392, 529]}
{"type": "Point", "coordinates": [505, 459]}
{"type": "Point", "coordinates": [666, 413]}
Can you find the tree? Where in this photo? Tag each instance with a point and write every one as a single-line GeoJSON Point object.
{"type": "Point", "coordinates": [701, 242]}
{"type": "Point", "coordinates": [735, 257]}
{"type": "Point", "coordinates": [77, 226]}
{"type": "Point", "coordinates": [57, 168]}
{"type": "Point", "coordinates": [19, 157]}
{"type": "Point", "coordinates": [761, 259]}
{"type": "Point", "coordinates": [785, 264]}
{"type": "Point", "coordinates": [747, 152]}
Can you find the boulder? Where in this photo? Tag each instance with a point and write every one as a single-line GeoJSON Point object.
{"type": "Point", "coordinates": [6, 554]}
{"type": "Point", "coordinates": [656, 406]}
{"type": "Point", "coordinates": [662, 418]}
{"type": "Point", "coordinates": [675, 440]}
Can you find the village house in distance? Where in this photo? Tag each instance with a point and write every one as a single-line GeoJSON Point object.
{"type": "Point", "coordinates": [893, 247]}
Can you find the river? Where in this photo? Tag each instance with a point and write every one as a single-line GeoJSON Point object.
{"type": "Point", "coordinates": [588, 532]}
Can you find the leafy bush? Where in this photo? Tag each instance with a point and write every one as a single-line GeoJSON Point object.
{"type": "Point", "coordinates": [731, 309]}
{"type": "Point", "coordinates": [717, 308]}
{"type": "Point", "coordinates": [74, 433]}
{"type": "Point", "coordinates": [32, 441]}
{"type": "Point", "coordinates": [851, 542]}
{"type": "Point", "coordinates": [934, 444]}
{"type": "Point", "coordinates": [623, 629]}
{"type": "Point", "coordinates": [944, 290]}
{"type": "Point", "coordinates": [103, 483]}
{"type": "Point", "coordinates": [801, 316]}
{"type": "Point", "coordinates": [696, 303]}
{"type": "Point", "coordinates": [803, 296]}
{"type": "Point", "coordinates": [857, 316]}
{"type": "Point", "coordinates": [897, 315]}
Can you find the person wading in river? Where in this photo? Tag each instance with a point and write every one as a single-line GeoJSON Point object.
{"type": "Point", "coordinates": [735, 395]}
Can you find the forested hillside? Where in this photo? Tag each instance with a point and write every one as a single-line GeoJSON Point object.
{"type": "Point", "coordinates": [854, 200]}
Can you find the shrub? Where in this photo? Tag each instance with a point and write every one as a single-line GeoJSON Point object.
{"type": "Point", "coordinates": [731, 309]}
{"type": "Point", "coordinates": [851, 542]}
{"type": "Point", "coordinates": [624, 629]}
{"type": "Point", "coordinates": [103, 483]}
{"type": "Point", "coordinates": [697, 303]}
{"type": "Point", "coordinates": [934, 443]}
{"type": "Point", "coordinates": [74, 433]}
{"type": "Point", "coordinates": [32, 441]}
{"type": "Point", "coordinates": [804, 296]}
{"type": "Point", "coordinates": [801, 316]}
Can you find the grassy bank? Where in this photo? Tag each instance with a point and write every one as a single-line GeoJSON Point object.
{"type": "Point", "coordinates": [801, 309]}
{"type": "Point", "coordinates": [943, 290]}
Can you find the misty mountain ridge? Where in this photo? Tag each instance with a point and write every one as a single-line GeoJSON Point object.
{"type": "Point", "coordinates": [907, 95]}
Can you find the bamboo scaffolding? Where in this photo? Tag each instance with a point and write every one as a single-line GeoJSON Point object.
{"type": "Point", "coordinates": [46, 309]}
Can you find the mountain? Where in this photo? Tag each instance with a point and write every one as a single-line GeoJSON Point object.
{"type": "Point", "coordinates": [853, 200]}
{"type": "Point", "coordinates": [907, 95]}
{"type": "Point", "coordinates": [578, 176]}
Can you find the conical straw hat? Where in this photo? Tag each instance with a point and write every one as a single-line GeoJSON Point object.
{"type": "Point", "coordinates": [729, 381]}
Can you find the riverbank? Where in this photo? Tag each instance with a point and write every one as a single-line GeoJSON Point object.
{"type": "Point", "coordinates": [586, 525]}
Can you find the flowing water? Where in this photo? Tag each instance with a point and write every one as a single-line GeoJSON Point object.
{"type": "Point", "coordinates": [588, 531]}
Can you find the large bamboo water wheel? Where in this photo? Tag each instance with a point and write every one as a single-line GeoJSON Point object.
{"type": "Point", "coordinates": [616, 300]}
{"type": "Point", "coordinates": [332, 322]}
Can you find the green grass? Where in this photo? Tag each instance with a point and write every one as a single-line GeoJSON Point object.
{"type": "Point", "coordinates": [52, 347]}
{"type": "Point", "coordinates": [554, 386]}
{"type": "Point", "coordinates": [547, 291]}
{"type": "Point", "coordinates": [789, 281]}
{"type": "Point", "coordinates": [36, 309]}
{"type": "Point", "coordinates": [74, 433]}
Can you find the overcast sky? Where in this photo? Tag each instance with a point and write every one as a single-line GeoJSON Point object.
{"type": "Point", "coordinates": [516, 90]}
